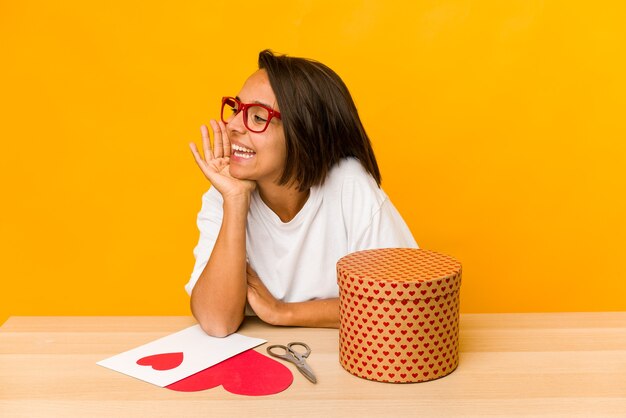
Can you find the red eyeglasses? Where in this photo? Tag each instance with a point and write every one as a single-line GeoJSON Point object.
{"type": "Point", "coordinates": [256, 117]}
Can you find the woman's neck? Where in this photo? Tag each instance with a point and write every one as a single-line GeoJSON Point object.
{"type": "Point", "coordinates": [284, 201]}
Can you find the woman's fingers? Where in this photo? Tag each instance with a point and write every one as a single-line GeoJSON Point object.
{"type": "Point", "coordinates": [221, 142]}
{"type": "Point", "coordinates": [218, 147]}
{"type": "Point", "coordinates": [196, 156]}
{"type": "Point", "coordinates": [206, 143]}
{"type": "Point", "coordinates": [225, 139]}
{"type": "Point", "coordinates": [250, 271]}
{"type": "Point", "coordinates": [215, 162]}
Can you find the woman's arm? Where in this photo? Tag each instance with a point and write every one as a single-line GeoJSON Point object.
{"type": "Point", "coordinates": [323, 313]}
{"type": "Point", "coordinates": [219, 296]}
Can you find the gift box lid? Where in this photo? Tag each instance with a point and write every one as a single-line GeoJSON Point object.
{"type": "Point", "coordinates": [399, 273]}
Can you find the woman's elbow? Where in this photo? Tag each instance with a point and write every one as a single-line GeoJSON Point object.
{"type": "Point", "coordinates": [215, 324]}
{"type": "Point", "coordinates": [219, 330]}
{"type": "Point", "coordinates": [217, 327]}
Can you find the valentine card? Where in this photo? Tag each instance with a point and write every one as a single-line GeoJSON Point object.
{"type": "Point", "coordinates": [179, 355]}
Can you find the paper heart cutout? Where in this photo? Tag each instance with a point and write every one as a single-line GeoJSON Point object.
{"type": "Point", "coordinates": [248, 373]}
{"type": "Point", "coordinates": [165, 361]}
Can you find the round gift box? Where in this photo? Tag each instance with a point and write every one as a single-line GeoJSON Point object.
{"type": "Point", "coordinates": [399, 313]}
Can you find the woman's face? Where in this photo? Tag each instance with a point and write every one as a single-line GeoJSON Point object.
{"type": "Point", "coordinates": [257, 156]}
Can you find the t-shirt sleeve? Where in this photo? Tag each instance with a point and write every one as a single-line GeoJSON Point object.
{"type": "Point", "coordinates": [209, 222]}
{"type": "Point", "coordinates": [370, 219]}
{"type": "Point", "coordinates": [386, 229]}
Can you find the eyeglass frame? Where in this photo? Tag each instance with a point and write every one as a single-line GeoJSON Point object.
{"type": "Point", "coordinates": [243, 107]}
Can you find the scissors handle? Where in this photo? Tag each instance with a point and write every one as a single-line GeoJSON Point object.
{"type": "Point", "coordinates": [301, 354]}
{"type": "Point", "coordinates": [286, 355]}
{"type": "Point", "coordinates": [295, 357]}
{"type": "Point", "coordinates": [289, 353]}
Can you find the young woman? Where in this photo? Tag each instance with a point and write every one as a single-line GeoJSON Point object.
{"type": "Point", "coordinates": [295, 186]}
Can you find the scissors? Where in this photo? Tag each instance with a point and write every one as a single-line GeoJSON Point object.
{"type": "Point", "coordinates": [296, 357]}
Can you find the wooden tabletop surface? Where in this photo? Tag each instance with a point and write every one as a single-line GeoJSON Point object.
{"type": "Point", "coordinates": [548, 365]}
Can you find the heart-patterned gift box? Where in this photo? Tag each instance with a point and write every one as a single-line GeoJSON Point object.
{"type": "Point", "coordinates": [399, 312]}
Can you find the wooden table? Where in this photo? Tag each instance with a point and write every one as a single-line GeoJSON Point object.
{"type": "Point", "coordinates": [565, 364]}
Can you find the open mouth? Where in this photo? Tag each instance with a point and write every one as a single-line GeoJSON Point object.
{"type": "Point", "coordinates": [242, 152]}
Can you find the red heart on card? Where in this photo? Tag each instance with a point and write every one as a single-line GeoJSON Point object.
{"type": "Point", "coordinates": [165, 361]}
{"type": "Point", "coordinates": [248, 373]}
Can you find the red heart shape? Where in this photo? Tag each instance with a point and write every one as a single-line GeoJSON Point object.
{"type": "Point", "coordinates": [248, 373]}
{"type": "Point", "coordinates": [165, 361]}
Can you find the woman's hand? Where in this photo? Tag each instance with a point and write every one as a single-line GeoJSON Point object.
{"type": "Point", "coordinates": [266, 306]}
{"type": "Point", "coordinates": [313, 313]}
{"type": "Point", "coordinates": [215, 164]}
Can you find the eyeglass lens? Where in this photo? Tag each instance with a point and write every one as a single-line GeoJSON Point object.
{"type": "Point", "coordinates": [255, 117]}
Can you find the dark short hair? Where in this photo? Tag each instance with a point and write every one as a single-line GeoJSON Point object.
{"type": "Point", "coordinates": [319, 117]}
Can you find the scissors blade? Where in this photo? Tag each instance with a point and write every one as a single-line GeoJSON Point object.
{"type": "Point", "coordinates": [306, 371]}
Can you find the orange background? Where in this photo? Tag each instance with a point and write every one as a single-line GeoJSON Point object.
{"type": "Point", "coordinates": [499, 128]}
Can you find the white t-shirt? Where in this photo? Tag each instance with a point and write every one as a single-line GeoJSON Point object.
{"type": "Point", "coordinates": [297, 260]}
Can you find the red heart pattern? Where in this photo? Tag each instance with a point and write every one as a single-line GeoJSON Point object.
{"type": "Point", "coordinates": [165, 361]}
{"type": "Point", "coordinates": [399, 311]}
